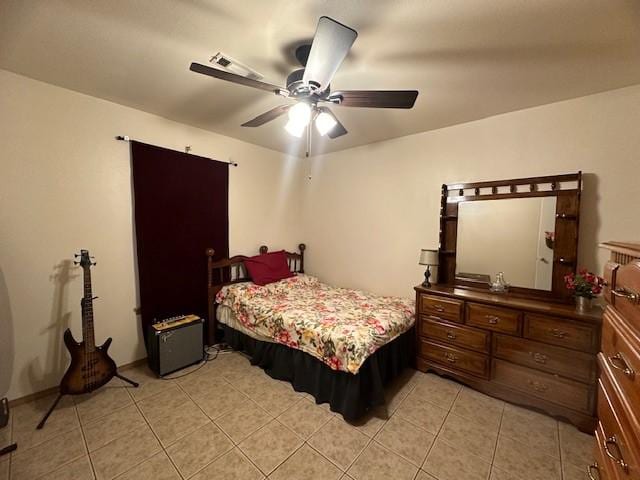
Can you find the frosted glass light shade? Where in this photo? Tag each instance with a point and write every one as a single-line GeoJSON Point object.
{"type": "Point", "coordinates": [428, 257]}
{"type": "Point", "coordinates": [299, 117]}
{"type": "Point", "coordinates": [300, 113]}
{"type": "Point", "coordinates": [294, 128]}
{"type": "Point", "coordinates": [325, 122]}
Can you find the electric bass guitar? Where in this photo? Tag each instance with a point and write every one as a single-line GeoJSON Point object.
{"type": "Point", "coordinates": [91, 366]}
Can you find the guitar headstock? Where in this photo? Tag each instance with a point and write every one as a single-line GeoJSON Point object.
{"type": "Point", "coordinates": [85, 259]}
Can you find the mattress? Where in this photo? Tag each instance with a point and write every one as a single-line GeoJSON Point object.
{"type": "Point", "coordinates": [225, 315]}
{"type": "Point", "coordinates": [341, 327]}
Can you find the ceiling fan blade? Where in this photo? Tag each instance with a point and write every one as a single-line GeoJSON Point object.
{"type": "Point", "coordinates": [374, 98]}
{"type": "Point", "coordinates": [267, 116]}
{"type": "Point", "coordinates": [239, 79]}
{"type": "Point", "coordinates": [330, 46]}
{"type": "Point", "coordinates": [338, 130]}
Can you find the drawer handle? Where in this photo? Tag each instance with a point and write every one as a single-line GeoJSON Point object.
{"type": "Point", "coordinates": [492, 319]}
{"type": "Point", "coordinates": [616, 458]}
{"type": "Point", "coordinates": [539, 357]}
{"type": "Point", "coordinates": [537, 386]}
{"type": "Point", "coordinates": [451, 335]}
{"type": "Point", "coordinates": [620, 363]}
{"type": "Point", "coordinates": [556, 332]}
{"type": "Point", "coordinates": [591, 469]}
{"type": "Point", "coordinates": [633, 297]}
{"type": "Point", "coordinates": [451, 358]}
{"type": "Point", "coordinates": [438, 308]}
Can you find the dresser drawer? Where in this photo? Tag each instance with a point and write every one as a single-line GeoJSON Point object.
{"type": "Point", "coordinates": [621, 354]}
{"type": "Point", "coordinates": [619, 443]}
{"type": "Point", "coordinates": [447, 308]}
{"type": "Point", "coordinates": [568, 393]}
{"type": "Point", "coordinates": [575, 335]}
{"type": "Point", "coordinates": [497, 319]}
{"type": "Point", "coordinates": [601, 469]}
{"type": "Point", "coordinates": [568, 363]}
{"type": "Point", "coordinates": [455, 334]}
{"type": "Point", "coordinates": [471, 362]}
{"type": "Point", "coordinates": [625, 294]}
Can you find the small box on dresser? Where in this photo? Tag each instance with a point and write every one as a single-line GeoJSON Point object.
{"type": "Point", "coordinates": [617, 449]}
{"type": "Point", "coordinates": [530, 352]}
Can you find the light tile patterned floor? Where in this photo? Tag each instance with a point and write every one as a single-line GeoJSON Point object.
{"type": "Point", "coordinates": [229, 420]}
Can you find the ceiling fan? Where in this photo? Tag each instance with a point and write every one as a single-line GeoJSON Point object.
{"type": "Point", "coordinates": [310, 86]}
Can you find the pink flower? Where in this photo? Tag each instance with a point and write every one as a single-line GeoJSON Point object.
{"type": "Point", "coordinates": [334, 362]}
{"type": "Point", "coordinates": [585, 284]}
{"type": "Point", "coordinates": [284, 337]}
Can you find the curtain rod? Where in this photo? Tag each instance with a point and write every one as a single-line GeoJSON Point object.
{"type": "Point", "coordinates": [187, 149]}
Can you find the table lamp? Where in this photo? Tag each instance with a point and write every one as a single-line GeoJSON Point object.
{"type": "Point", "coordinates": [429, 258]}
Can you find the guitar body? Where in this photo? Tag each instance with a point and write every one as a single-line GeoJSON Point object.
{"type": "Point", "coordinates": [89, 369]}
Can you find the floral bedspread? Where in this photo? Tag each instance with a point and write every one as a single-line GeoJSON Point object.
{"type": "Point", "coordinates": [339, 326]}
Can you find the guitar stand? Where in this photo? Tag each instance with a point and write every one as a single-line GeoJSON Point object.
{"type": "Point", "coordinates": [8, 449]}
{"type": "Point", "coordinates": [60, 395]}
{"type": "Point", "coordinates": [4, 420]}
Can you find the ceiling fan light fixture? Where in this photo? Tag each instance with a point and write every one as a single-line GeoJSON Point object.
{"type": "Point", "coordinates": [300, 113]}
{"type": "Point", "coordinates": [295, 128]}
{"type": "Point", "coordinates": [299, 118]}
{"type": "Point", "coordinates": [325, 123]}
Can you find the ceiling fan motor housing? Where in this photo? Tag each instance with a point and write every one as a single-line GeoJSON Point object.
{"type": "Point", "coordinates": [298, 88]}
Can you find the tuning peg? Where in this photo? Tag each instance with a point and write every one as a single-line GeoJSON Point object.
{"type": "Point", "coordinates": [92, 257]}
{"type": "Point", "coordinates": [94, 298]}
{"type": "Point", "coordinates": [76, 263]}
{"type": "Point", "coordinates": [94, 263]}
{"type": "Point", "coordinates": [76, 255]}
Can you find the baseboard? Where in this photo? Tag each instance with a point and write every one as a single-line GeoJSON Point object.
{"type": "Point", "coordinates": [49, 391]}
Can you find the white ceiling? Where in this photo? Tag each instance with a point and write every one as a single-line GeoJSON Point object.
{"type": "Point", "coordinates": [468, 58]}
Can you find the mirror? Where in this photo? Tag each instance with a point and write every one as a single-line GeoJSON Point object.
{"type": "Point", "coordinates": [513, 226]}
{"type": "Point", "coordinates": [514, 236]}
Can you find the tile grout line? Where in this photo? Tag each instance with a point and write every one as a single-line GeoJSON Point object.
{"type": "Point", "coordinates": [325, 457]}
{"type": "Point", "coordinates": [135, 403]}
{"type": "Point", "coordinates": [84, 440]}
{"type": "Point", "coordinates": [302, 444]}
{"type": "Point", "coordinates": [560, 451]}
{"type": "Point", "coordinates": [288, 456]}
{"type": "Point", "coordinates": [164, 450]}
{"type": "Point", "coordinates": [440, 429]}
{"type": "Point", "coordinates": [53, 438]}
{"type": "Point", "coordinates": [274, 418]}
{"type": "Point", "coordinates": [495, 449]}
{"type": "Point", "coordinates": [11, 439]}
{"type": "Point", "coordinates": [292, 453]}
{"type": "Point", "coordinates": [233, 443]}
{"type": "Point", "coordinates": [264, 426]}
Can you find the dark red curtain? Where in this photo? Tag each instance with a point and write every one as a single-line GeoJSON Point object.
{"type": "Point", "coordinates": [181, 207]}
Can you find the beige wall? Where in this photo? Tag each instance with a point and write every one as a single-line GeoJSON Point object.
{"type": "Point", "coordinates": [65, 184]}
{"type": "Point", "coordinates": [369, 210]}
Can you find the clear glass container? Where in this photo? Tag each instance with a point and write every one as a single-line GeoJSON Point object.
{"type": "Point", "coordinates": [499, 285]}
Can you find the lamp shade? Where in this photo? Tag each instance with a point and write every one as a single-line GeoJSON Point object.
{"type": "Point", "coordinates": [428, 257]}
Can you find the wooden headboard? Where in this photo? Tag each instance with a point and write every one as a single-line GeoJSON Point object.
{"type": "Point", "coordinates": [228, 271]}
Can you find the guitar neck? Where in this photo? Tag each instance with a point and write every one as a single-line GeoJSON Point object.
{"type": "Point", "coordinates": [87, 312]}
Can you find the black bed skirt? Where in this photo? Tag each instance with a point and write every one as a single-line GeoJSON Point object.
{"type": "Point", "coordinates": [350, 395]}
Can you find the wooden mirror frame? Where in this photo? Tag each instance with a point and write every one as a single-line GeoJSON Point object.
{"type": "Point", "coordinates": [565, 251]}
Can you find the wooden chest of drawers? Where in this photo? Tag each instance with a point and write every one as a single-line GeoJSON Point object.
{"type": "Point", "coordinates": [528, 352]}
{"type": "Point", "coordinates": [617, 451]}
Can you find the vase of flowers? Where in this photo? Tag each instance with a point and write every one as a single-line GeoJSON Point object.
{"type": "Point", "coordinates": [584, 285]}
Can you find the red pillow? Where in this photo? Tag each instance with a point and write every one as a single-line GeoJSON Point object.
{"type": "Point", "coordinates": [268, 268]}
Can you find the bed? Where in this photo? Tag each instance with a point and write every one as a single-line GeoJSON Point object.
{"type": "Point", "coordinates": [341, 346]}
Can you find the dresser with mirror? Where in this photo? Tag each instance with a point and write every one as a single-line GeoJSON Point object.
{"type": "Point", "coordinates": [527, 344]}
